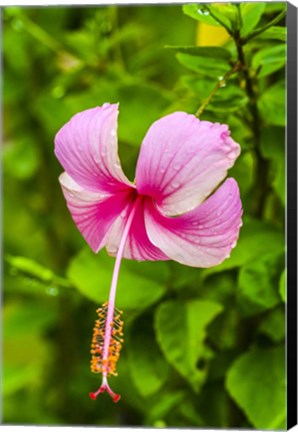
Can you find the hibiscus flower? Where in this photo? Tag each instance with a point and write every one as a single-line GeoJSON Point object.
{"type": "Point", "coordinates": [169, 212]}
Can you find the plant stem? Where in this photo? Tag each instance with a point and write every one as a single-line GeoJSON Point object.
{"type": "Point", "coordinates": [264, 28]}
{"type": "Point", "coordinates": [219, 84]}
{"type": "Point", "coordinates": [261, 186]}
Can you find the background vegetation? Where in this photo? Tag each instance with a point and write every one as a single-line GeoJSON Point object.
{"type": "Point", "coordinates": [203, 348]}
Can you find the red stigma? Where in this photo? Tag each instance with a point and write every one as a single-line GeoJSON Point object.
{"type": "Point", "coordinates": [116, 398]}
{"type": "Point", "coordinates": [105, 387]}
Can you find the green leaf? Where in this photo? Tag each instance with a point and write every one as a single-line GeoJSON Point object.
{"type": "Point", "coordinates": [223, 330]}
{"type": "Point", "coordinates": [273, 145]}
{"type": "Point", "coordinates": [201, 86]}
{"type": "Point", "coordinates": [162, 405]}
{"type": "Point", "coordinates": [189, 412]}
{"type": "Point", "coordinates": [133, 122]}
{"type": "Point", "coordinates": [17, 377]}
{"type": "Point", "coordinates": [243, 171]}
{"type": "Point", "coordinates": [254, 241]}
{"type": "Point", "coordinates": [283, 286]}
{"type": "Point", "coordinates": [148, 367]}
{"type": "Point", "coordinates": [272, 104]}
{"type": "Point", "coordinates": [212, 68]}
{"type": "Point", "coordinates": [258, 284]}
{"type": "Point", "coordinates": [272, 7]}
{"type": "Point", "coordinates": [274, 32]}
{"type": "Point", "coordinates": [15, 46]}
{"type": "Point", "coordinates": [24, 346]}
{"type": "Point", "coordinates": [82, 44]}
{"type": "Point", "coordinates": [228, 98]}
{"type": "Point", "coordinates": [230, 104]}
{"type": "Point", "coordinates": [269, 60]}
{"type": "Point", "coordinates": [181, 330]}
{"type": "Point", "coordinates": [226, 14]}
{"type": "Point", "coordinates": [274, 325]}
{"type": "Point", "coordinates": [206, 52]}
{"type": "Point", "coordinates": [28, 319]}
{"type": "Point", "coordinates": [139, 286]}
{"type": "Point", "coordinates": [273, 142]}
{"type": "Point", "coordinates": [124, 384]}
{"type": "Point", "coordinates": [259, 31]}
{"type": "Point", "coordinates": [219, 288]}
{"type": "Point", "coordinates": [20, 158]}
{"type": "Point", "coordinates": [220, 364]}
{"type": "Point", "coordinates": [251, 14]}
{"type": "Point", "coordinates": [30, 268]}
{"type": "Point", "coordinates": [241, 133]}
{"type": "Point", "coordinates": [256, 381]}
{"type": "Point", "coordinates": [199, 12]}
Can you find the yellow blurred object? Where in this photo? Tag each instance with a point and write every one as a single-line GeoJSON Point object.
{"type": "Point", "coordinates": [208, 35]}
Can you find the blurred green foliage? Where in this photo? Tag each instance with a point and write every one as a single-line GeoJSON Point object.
{"type": "Point", "coordinates": [203, 347]}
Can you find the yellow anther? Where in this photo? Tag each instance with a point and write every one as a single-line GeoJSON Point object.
{"type": "Point", "coordinates": [97, 363]}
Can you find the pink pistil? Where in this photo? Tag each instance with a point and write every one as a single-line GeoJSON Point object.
{"type": "Point", "coordinates": [111, 306]}
{"type": "Point", "coordinates": [105, 387]}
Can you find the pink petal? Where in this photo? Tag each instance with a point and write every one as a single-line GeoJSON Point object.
{"type": "Point", "coordinates": [203, 237]}
{"type": "Point", "coordinates": [93, 212]}
{"type": "Point", "coordinates": [138, 246]}
{"type": "Point", "coordinates": [86, 147]}
{"type": "Point", "coordinates": [182, 160]}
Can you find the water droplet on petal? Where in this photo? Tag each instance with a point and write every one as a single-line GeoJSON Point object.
{"type": "Point", "coordinates": [176, 185]}
{"type": "Point", "coordinates": [97, 158]}
{"type": "Point", "coordinates": [113, 249]}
